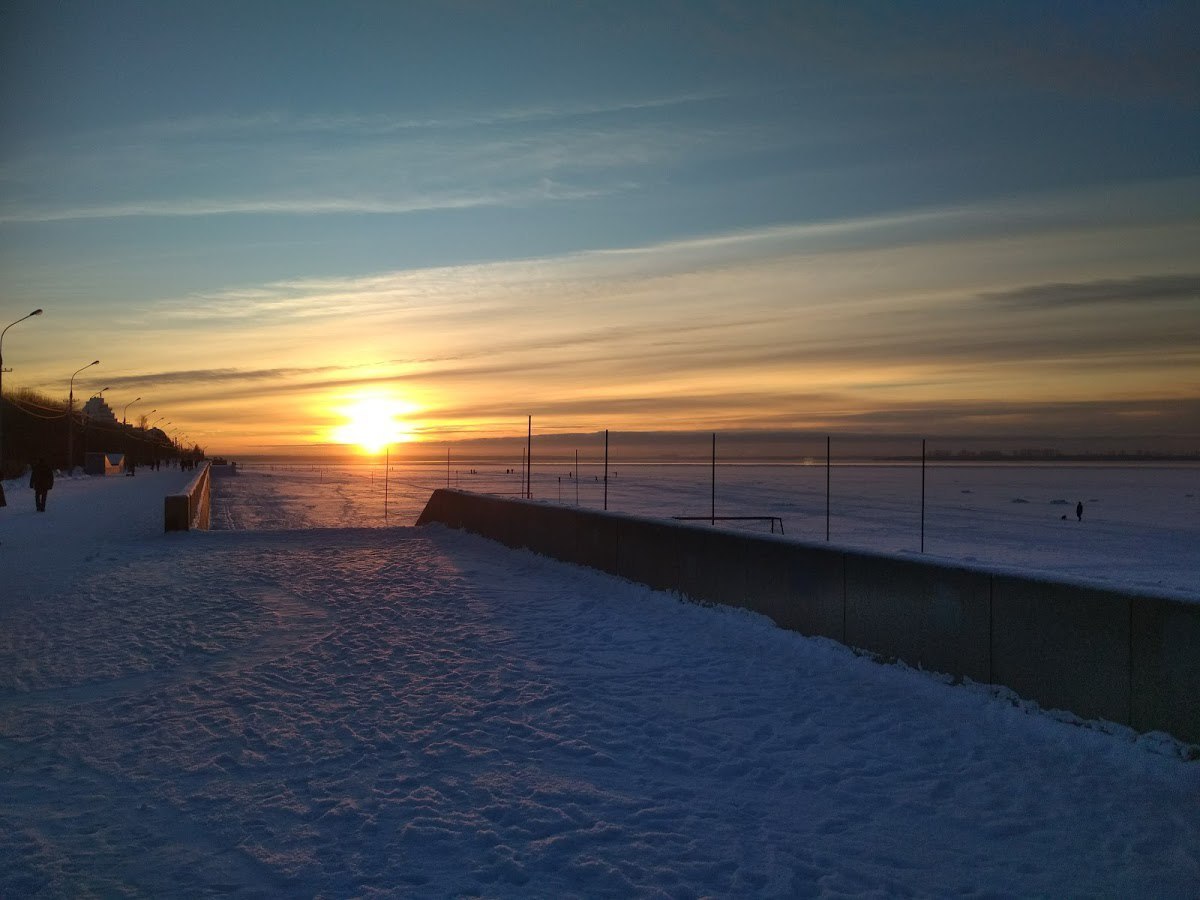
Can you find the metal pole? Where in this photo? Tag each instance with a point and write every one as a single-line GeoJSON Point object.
{"type": "Point", "coordinates": [70, 414]}
{"type": "Point", "coordinates": [529, 460]}
{"type": "Point", "coordinates": [922, 495]}
{"type": "Point", "coordinates": [386, 456]}
{"type": "Point", "coordinates": [713, 514]}
{"type": "Point", "coordinates": [826, 487]}
{"type": "Point", "coordinates": [36, 312]}
{"type": "Point", "coordinates": [576, 477]}
{"type": "Point", "coordinates": [606, 468]}
{"type": "Point", "coordinates": [447, 467]}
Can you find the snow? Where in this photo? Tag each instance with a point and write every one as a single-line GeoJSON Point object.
{"type": "Point", "coordinates": [346, 711]}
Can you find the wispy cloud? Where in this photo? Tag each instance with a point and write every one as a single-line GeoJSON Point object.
{"type": "Point", "coordinates": [210, 376]}
{"type": "Point", "coordinates": [280, 122]}
{"type": "Point", "coordinates": [276, 164]}
{"type": "Point", "coordinates": [1134, 291]}
{"type": "Point", "coordinates": [304, 206]}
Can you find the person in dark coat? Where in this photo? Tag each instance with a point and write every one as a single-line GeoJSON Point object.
{"type": "Point", "coordinates": [1079, 510]}
{"type": "Point", "coordinates": [41, 480]}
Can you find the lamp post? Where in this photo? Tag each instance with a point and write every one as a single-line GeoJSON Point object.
{"type": "Point", "coordinates": [155, 446]}
{"type": "Point", "coordinates": [36, 312]}
{"type": "Point", "coordinates": [87, 417]}
{"type": "Point", "coordinates": [124, 421]}
{"type": "Point", "coordinates": [70, 413]}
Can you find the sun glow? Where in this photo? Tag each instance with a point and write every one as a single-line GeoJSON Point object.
{"type": "Point", "coordinates": [373, 423]}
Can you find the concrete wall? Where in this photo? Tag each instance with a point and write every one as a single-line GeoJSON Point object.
{"type": "Point", "coordinates": [932, 616]}
{"type": "Point", "coordinates": [191, 508]}
{"type": "Point", "coordinates": [1101, 654]}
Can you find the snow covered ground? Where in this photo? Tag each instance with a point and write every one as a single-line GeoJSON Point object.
{"type": "Point", "coordinates": [398, 712]}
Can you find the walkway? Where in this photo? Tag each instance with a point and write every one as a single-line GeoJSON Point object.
{"type": "Point", "coordinates": [416, 712]}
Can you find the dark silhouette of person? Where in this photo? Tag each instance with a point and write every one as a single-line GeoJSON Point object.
{"type": "Point", "coordinates": [1079, 510]}
{"type": "Point", "coordinates": [41, 479]}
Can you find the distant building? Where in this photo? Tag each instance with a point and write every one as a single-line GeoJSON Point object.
{"type": "Point", "coordinates": [97, 410]}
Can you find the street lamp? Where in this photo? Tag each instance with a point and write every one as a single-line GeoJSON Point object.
{"type": "Point", "coordinates": [36, 312]}
{"type": "Point", "coordinates": [70, 411]}
{"type": "Point", "coordinates": [126, 409]}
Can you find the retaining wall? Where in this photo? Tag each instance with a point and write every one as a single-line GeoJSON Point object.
{"type": "Point", "coordinates": [191, 508]}
{"type": "Point", "coordinates": [1119, 656]}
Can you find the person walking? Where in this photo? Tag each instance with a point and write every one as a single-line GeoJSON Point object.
{"type": "Point", "coordinates": [1079, 510]}
{"type": "Point", "coordinates": [41, 479]}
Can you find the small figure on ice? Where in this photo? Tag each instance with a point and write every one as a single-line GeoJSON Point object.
{"type": "Point", "coordinates": [1079, 510]}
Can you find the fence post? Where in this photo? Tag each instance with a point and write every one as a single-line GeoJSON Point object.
{"type": "Point", "coordinates": [922, 495]}
{"type": "Point", "coordinates": [713, 512]}
{"type": "Point", "coordinates": [826, 487]}
{"type": "Point", "coordinates": [606, 468]}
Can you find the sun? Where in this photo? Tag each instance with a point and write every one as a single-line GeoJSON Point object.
{"type": "Point", "coordinates": [373, 424]}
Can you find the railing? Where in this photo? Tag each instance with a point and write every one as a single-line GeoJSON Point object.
{"type": "Point", "coordinates": [193, 507]}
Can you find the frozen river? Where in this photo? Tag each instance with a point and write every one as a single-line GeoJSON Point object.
{"type": "Point", "coordinates": [1140, 527]}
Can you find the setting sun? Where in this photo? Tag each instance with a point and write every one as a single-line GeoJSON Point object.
{"type": "Point", "coordinates": [373, 424]}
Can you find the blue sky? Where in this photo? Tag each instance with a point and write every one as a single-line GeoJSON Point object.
{"type": "Point", "coordinates": [942, 218]}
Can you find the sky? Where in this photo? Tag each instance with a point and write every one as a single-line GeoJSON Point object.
{"type": "Point", "coordinates": [271, 221]}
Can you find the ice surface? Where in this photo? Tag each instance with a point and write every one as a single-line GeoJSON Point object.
{"type": "Point", "coordinates": [1140, 527]}
{"type": "Point", "coordinates": [403, 712]}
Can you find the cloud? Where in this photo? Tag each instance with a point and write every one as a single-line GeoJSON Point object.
{"type": "Point", "coordinates": [368, 165]}
{"type": "Point", "coordinates": [1136, 291]}
{"type": "Point", "coordinates": [303, 206]}
{"type": "Point", "coordinates": [269, 123]}
{"type": "Point", "coordinates": [204, 376]}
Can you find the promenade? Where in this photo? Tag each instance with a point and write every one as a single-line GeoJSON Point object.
{"type": "Point", "coordinates": [85, 516]}
{"type": "Point", "coordinates": [418, 712]}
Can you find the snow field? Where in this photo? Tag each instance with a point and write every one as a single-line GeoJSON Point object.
{"type": "Point", "coordinates": [404, 712]}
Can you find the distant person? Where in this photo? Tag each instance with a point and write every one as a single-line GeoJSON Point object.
{"type": "Point", "coordinates": [130, 467]}
{"type": "Point", "coordinates": [1079, 510]}
{"type": "Point", "coordinates": [41, 479]}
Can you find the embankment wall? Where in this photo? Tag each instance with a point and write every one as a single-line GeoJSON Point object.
{"type": "Point", "coordinates": [192, 507]}
{"type": "Point", "coordinates": [1124, 657]}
